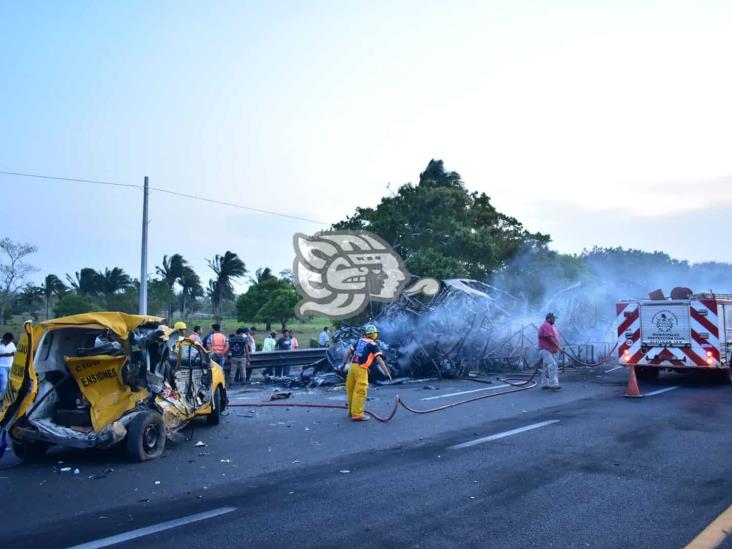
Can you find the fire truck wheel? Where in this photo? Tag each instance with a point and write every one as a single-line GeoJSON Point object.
{"type": "Point", "coordinates": [646, 373]}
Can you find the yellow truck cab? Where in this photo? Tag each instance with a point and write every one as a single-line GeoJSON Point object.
{"type": "Point", "coordinates": [98, 379]}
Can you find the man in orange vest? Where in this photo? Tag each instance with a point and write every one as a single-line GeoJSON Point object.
{"type": "Point", "coordinates": [218, 344]}
{"type": "Point", "coordinates": [362, 354]}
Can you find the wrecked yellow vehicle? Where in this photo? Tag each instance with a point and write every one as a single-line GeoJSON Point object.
{"type": "Point", "coordinates": [98, 379]}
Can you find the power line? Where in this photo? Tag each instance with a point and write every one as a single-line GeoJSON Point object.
{"type": "Point", "coordinates": [73, 179]}
{"type": "Point", "coordinates": [175, 193]}
{"type": "Point", "coordinates": [223, 203]}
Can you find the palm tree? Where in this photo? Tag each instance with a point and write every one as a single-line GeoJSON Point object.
{"type": "Point", "coordinates": [190, 285]}
{"type": "Point", "coordinates": [113, 280]}
{"type": "Point", "coordinates": [227, 268]}
{"type": "Point", "coordinates": [171, 269]}
{"type": "Point", "coordinates": [171, 272]}
{"type": "Point", "coordinates": [261, 274]}
{"type": "Point", "coordinates": [52, 286]}
{"type": "Point", "coordinates": [85, 282]}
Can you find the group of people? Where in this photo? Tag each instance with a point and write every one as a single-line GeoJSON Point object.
{"type": "Point", "coordinates": [235, 351]}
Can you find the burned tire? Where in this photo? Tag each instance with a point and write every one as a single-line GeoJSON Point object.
{"type": "Point", "coordinates": [30, 451]}
{"type": "Point", "coordinates": [647, 374]}
{"type": "Point", "coordinates": [215, 416]}
{"type": "Point", "coordinates": [146, 436]}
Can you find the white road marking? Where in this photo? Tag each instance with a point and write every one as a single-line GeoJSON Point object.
{"type": "Point", "coordinates": [666, 390]}
{"type": "Point", "coordinates": [503, 434]}
{"type": "Point", "coordinates": [613, 369]}
{"type": "Point", "coordinates": [467, 392]}
{"type": "Point", "coordinates": [155, 528]}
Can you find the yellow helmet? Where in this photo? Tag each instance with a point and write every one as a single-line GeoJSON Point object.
{"type": "Point", "coordinates": [180, 325]}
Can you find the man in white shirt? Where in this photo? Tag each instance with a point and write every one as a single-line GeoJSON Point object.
{"type": "Point", "coordinates": [324, 339]}
{"type": "Point", "coordinates": [7, 352]}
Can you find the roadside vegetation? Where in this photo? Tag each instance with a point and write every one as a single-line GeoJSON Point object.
{"type": "Point", "coordinates": [439, 227]}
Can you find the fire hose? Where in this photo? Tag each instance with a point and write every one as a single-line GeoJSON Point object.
{"type": "Point", "coordinates": [520, 385]}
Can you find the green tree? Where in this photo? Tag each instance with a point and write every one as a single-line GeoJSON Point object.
{"type": "Point", "coordinates": [227, 268]}
{"type": "Point", "coordinates": [73, 304]}
{"type": "Point", "coordinates": [263, 284]}
{"type": "Point", "coordinates": [159, 296]}
{"type": "Point", "coordinates": [191, 288]}
{"type": "Point", "coordinates": [85, 282]}
{"type": "Point", "coordinates": [171, 272]}
{"type": "Point", "coordinates": [29, 300]}
{"type": "Point", "coordinates": [442, 230]}
{"type": "Point", "coordinates": [52, 287]}
{"type": "Point", "coordinates": [113, 281]}
{"type": "Point", "coordinates": [280, 307]}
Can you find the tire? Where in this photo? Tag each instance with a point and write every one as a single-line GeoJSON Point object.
{"type": "Point", "coordinates": [215, 416]}
{"type": "Point", "coordinates": [646, 373]}
{"type": "Point", "coordinates": [30, 451]}
{"type": "Point", "coordinates": [146, 436]}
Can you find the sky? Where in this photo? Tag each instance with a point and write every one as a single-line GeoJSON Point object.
{"type": "Point", "coordinates": [600, 123]}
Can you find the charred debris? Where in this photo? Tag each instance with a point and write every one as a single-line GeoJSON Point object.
{"type": "Point", "coordinates": [470, 327]}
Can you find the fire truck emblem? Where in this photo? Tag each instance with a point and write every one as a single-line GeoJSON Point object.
{"type": "Point", "coordinates": [665, 321]}
{"type": "Point", "coordinates": [339, 273]}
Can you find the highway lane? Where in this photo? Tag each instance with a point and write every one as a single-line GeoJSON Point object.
{"type": "Point", "coordinates": [605, 472]}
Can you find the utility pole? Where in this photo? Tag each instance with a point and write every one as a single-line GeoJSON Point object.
{"type": "Point", "coordinates": [143, 263]}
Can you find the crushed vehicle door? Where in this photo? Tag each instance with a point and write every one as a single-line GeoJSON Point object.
{"type": "Point", "coordinates": [100, 381]}
{"type": "Point", "coordinates": [22, 383]}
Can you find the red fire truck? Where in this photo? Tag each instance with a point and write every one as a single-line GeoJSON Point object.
{"type": "Point", "coordinates": [676, 334]}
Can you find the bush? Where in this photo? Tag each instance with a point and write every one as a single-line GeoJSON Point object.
{"type": "Point", "coordinates": [73, 304]}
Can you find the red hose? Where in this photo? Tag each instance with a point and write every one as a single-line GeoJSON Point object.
{"type": "Point", "coordinates": [523, 386]}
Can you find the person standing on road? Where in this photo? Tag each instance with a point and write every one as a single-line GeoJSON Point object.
{"type": "Point", "coordinates": [7, 352]}
{"type": "Point", "coordinates": [239, 349]}
{"type": "Point", "coordinates": [362, 355]}
{"type": "Point", "coordinates": [196, 335]}
{"type": "Point", "coordinates": [252, 343]}
{"type": "Point", "coordinates": [295, 343]}
{"type": "Point", "coordinates": [549, 346]}
{"type": "Point", "coordinates": [324, 339]}
{"type": "Point", "coordinates": [247, 335]}
{"type": "Point", "coordinates": [269, 345]}
{"type": "Point", "coordinates": [217, 343]}
{"type": "Point", "coordinates": [283, 344]}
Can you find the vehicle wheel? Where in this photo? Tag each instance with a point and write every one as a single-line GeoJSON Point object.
{"type": "Point", "coordinates": [146, 436]}
{"type": "Point", "coordinates": [215, 416]}
{"type": "Point", "coordinates": [30, 451]}
{"type": "Point", "coordinates": [647, 373]}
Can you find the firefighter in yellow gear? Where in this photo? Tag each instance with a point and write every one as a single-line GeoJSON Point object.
{"type": "Point", "coordinates": [362, 354]}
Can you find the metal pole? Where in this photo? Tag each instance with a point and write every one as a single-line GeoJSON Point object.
{"type": "Point", "coordinates": [143, 263]}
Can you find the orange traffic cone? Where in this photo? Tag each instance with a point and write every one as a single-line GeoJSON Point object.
{"type": "Point", "coordinates": [633, 390]}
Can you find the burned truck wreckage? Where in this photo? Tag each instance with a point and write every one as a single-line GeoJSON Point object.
{"type": "Point", "coordinates": [468, 326]}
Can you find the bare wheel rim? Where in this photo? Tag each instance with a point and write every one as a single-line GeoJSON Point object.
{"type": "Point", "coordinates": [150, 438]}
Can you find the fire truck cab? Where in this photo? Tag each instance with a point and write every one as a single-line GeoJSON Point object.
{"type": "Point", "coordinates": [676, 334]}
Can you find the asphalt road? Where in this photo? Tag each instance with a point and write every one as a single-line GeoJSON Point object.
{"type": "Point", "coordinates": [579, 468]}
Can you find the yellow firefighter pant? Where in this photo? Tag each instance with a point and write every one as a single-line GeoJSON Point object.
{"type": "Point", "coordinates": [357, 385]}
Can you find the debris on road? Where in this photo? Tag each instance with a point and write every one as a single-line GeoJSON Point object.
{"type": "Point", "coordinates": [280, 395]}
{"type": "Point", "coordinates": [200, 444]}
